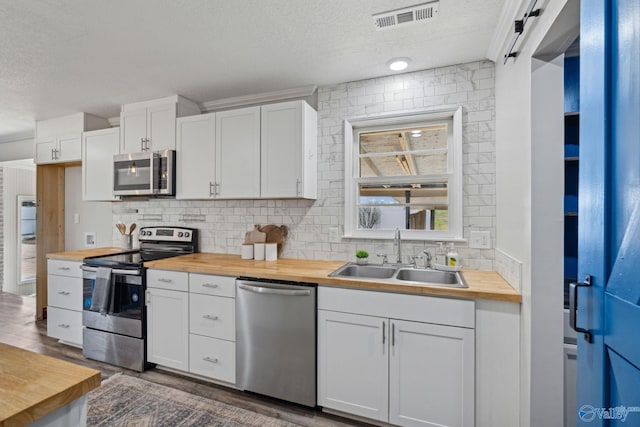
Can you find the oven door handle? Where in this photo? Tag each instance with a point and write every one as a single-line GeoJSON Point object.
{"type": "Point", "coordinates": [114, 271]}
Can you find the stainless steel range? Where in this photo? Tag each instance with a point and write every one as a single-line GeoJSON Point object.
{"type": "Point", "coordinates": [114, 286]}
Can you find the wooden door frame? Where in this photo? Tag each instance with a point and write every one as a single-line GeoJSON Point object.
{"type": "Point", "coordinates": [49, 224]}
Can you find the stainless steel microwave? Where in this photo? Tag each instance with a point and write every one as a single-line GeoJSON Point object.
{"type": "Point", "coordinates": [146, 173]}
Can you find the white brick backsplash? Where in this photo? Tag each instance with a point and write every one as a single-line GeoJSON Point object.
{"type": "Point", "coordinates": [468, 85]}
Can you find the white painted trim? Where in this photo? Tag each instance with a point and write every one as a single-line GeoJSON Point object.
{"type": "Point", "coordinates": [504, 29]}
{"type": "Point", "coordinates": [258, 98]}
{"type": "Point", "coordinates": [18, 136]}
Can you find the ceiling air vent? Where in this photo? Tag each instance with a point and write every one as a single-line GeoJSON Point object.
{"type": "Point", "coordinates": [413, 14]}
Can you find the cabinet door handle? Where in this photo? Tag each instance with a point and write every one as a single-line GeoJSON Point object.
{"type": "Point", "coordinates": [147, 146]}
{"type": "Point", "coordinates": [210, 317]}
{"type": "Point", "coordinates": [63, 325]}
{"type": "Point", "coordinates": [64, 268]}
{"type": "Point", "coordinates": [384, 337]}
{"type": "Point", "coordinates": [216, 189]}
{"type": "Point", "coordinates": [141, 144]}
{"type": "Point", "coordinates": [148, 298]}
{"type": "Point", "coordinates": [64, 293]}
{"type": "Point", "coordinates": [163, 280]}
{"type": "Point", "coordinates": [210, 359]}
{"type": "Point", "coordinates": [212, 189]}
{"type": "Point", "coordinates": [298, 187]}
{"type": "Point", "coordinates": [209, 285]}
{"type": "Point", "coordinates": [393, 334]}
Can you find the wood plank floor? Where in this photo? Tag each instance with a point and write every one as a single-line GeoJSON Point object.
{"type": "Point", "coordinates": [18, 328]}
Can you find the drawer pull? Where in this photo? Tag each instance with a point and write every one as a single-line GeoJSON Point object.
{"type": "Point", "coordinates": [208, 316]}
{"type": "Point", "coordinates": [63, 325]}
{"type": "Point", "coordinates": [64, 293]}
{"type": "Point", "coordinates": [64, 268]}
{"type": "Point", "coordinates": [210, 359]}
{"type": "Point", "coordinates": [163, 280]}
{"type": "Point", "coordinates": [209, 285]}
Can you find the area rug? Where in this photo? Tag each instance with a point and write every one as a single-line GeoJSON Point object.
{"type": "Point", "coordinates": [128, 401]}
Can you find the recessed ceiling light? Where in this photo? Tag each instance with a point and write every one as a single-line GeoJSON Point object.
{"type": "Point", "coordinates": [398, 64]}
{"type": "Point", "coordinates": [416, 132]}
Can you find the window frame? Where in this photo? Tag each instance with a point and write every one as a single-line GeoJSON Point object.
{"type": "Point", "coordinates": [357, 125]}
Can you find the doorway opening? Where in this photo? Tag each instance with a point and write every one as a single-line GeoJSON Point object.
{"type": "Point", "coordinates": [18, 238]}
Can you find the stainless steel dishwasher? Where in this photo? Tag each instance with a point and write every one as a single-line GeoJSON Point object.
{"type": "Point", "coordinates": [276, 339]}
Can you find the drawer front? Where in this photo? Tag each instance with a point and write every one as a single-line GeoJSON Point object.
{"type": "Point", "coordinates": [65, 292]}
{"type": "Point", "coordinates": [212, 358]}
{"type": "Point", "coordinates": [64, 268]}
{"type": "Point", "coordinates": [65, 325]}
{"type": "Point", "coordinates": [213, 317]}
{"type": "Point", "coordinates": [223, 286]}
{"type": "Point", "coordinates": [165, 279]}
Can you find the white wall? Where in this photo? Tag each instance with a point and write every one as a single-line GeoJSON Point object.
{"type": "Point", "coordinates": [16, 181]}
{"type": "Point", "coordinates": [17, 150]}
{"type": "Point", "coordinates": [528, 231]}
{"type": "Point", "coordinates": [93, 216]}
{"type": "Point", "coordinates": [467, 85]}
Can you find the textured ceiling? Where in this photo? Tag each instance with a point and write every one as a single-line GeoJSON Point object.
{"type": "Point", "coordinates": [59, 57]}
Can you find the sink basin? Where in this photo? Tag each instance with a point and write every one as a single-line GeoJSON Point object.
{"type": "Point", "coordinates": [364, 271]}
{"type": "Point", "coordinates": [401, 274]}
{"type": "Point", "coordinates": [431, 277]}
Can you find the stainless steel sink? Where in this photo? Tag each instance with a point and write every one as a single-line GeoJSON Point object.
{"type": "Point", "coordinates": [401, 274]}
{"type": "Point", "coordinates": [364, 271]}
{"type": "Point", "coordinates": [436, 277]}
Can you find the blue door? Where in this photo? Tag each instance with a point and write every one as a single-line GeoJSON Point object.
{"type": "Point", "coordinates": [608, 392]}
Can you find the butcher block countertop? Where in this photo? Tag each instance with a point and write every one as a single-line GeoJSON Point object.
{"type": "Point", "coordinates": [81, 254]}
{"type": "Point", "coordinates": [33, 385]}
{"type": "Point", "coordinates": [482, 284]}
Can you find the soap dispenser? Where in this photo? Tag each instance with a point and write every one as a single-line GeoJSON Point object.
{"type": "Point", "coordinates": [453, 259]}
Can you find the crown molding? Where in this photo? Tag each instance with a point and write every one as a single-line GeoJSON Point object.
{"type": "Point", "coordinates": [259, 98]}
{"type": "Point", "coordinates": [18, 136]}
{"type": "Point", "coordinates": [504, 28]}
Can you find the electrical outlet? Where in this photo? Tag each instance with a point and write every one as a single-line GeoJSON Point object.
{"type": "Point", "coordinates": [334, 234]}
{"type": "Point", "coordinates": [480, 240]}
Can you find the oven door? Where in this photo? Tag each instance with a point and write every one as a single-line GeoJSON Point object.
{"type": "Point", "coordinates": [125, 315]}
{"type": "Point", "coordinates": [133, 174]}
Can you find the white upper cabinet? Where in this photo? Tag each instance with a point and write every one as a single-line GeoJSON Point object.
{"type": "Point", "coordinates": [289, 151]}
{"type": "Point", "coordinates": [151, 125]}
{"type": "Point", "coordinates": [195, 157]}
{"type": "Point", "coordinates": [98, 149]}
{"type": "Point", "coordinates": [59, 140]}
{"type": "Point", "coordinates": [238, 153]}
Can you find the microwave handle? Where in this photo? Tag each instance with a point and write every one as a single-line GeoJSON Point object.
{"type": "Point", "coordinates": [152, 172]}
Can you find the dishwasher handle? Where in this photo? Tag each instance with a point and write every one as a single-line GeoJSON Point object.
{"type": "Point", "coordinates": [274, 291]}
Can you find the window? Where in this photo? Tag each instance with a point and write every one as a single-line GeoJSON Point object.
{"type": "Point", "coordinates": [404, 172]}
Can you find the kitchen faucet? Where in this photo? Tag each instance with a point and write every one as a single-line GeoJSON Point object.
{"type": "Point", "coordinates": [398, 243]}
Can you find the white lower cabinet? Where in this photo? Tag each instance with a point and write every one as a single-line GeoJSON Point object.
{"type": "Point", "coordinates": [64, 296]}
{"type": "Point", "coordinates": [353, 367]}
{"type": "Point", "coordinates": [168, 328]}
{"type": "Point", "coordinates": [386, 357]}
{"type": "Point", "coordinates": [431, 375]}
{"type": "Point", "coordinates": [191, 323]}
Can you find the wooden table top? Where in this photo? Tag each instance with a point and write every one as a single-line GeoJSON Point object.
{"type": "Point", "coordinates": [482, 284]}
{"type": "Point", "coordinates": [81, 254]}
{"type": "Point", "coordinates": [33, 385]}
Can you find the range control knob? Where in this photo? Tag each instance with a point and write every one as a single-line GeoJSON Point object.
{"type": "Point", "coordinates": [180, 234]}
{"type": "Point", "coordinates": [186, 234]}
